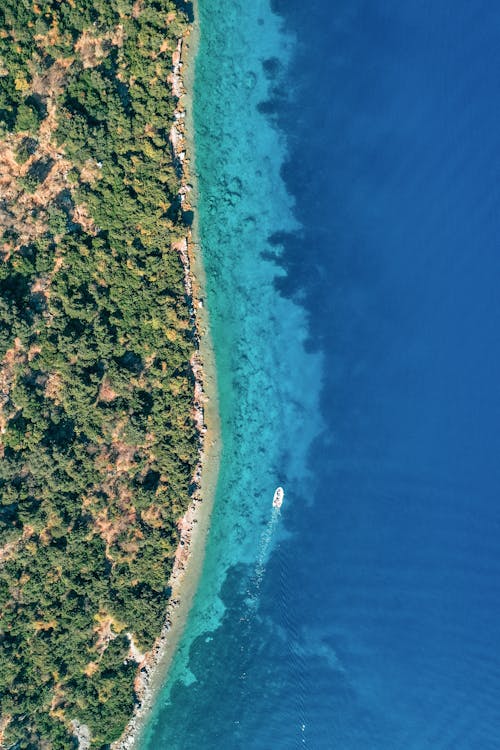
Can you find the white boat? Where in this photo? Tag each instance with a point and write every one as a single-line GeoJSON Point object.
{"type": "Point", "coordinates": [278, 497]}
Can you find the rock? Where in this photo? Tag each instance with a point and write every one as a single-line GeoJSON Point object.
{"type": "Point", "coordinates": [82, 734]}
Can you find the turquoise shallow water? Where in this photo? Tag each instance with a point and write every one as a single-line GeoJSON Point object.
{"type": "Point", "coordinates": [268, 383]}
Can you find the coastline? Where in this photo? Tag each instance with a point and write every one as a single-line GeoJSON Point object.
{"type": "Point", "coordinates": [153, 666]}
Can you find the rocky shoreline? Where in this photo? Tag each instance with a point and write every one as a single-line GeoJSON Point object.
{"type": "Point", "coordinates": [145, 686]}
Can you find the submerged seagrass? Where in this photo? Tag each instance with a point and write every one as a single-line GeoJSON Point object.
{"type": "Point", "coordinates": [98, 437]}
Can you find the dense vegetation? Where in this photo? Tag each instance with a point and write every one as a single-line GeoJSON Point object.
{"type": "Point", "coordinates": [98, 443]}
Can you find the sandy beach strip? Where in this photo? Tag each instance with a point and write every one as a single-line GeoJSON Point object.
{"type": "Point", "coordinates": [153, 669]}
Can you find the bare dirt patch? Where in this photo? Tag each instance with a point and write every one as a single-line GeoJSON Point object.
{"type": "Point", "coordinates": [106, 393]}
{"type": "Point", "coordinates": [91, 668]}
{"type": "Point", "coordinates": [8, 550]}
{"type": "Point", "coordinates": [136, 8]}
{"type": "Point", "coordinates": [110, 529]}
{"type": "Point", "coordinates": [13, 357]}
{"type": "Point", "coordinates": [90, 171]}
{"type": "Point", "coordinates": [93, 49]}
{"type": "Point", "coordinates": [81, 216]}
{"type": "Point", "coordinates": [53, 387]}
{"type": "Point", "coordinates": [104, 632]}
{"type": "Point", "coordinates": [4, 723]}
{"type": "Point", "coordinates": [153, 516]}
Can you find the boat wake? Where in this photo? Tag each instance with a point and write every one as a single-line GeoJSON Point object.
{"type": "Point", "coordinates": [264, 547]}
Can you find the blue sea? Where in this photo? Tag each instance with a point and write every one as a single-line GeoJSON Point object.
{"type": "Point", "coordinates": [348, 166]}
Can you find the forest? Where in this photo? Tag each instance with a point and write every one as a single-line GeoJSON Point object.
{"type": "Point", "coordinates": [98, 441]}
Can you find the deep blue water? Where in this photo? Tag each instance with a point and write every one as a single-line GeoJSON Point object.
{"type": "Point", "coordinates": [395, 129]}
{"type": "Point", "coordinates": [377, 621]}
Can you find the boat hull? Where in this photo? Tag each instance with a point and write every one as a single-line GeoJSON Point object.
{"type": "Point", "coordinates": [278, 497]}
